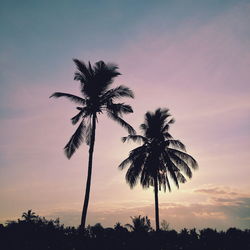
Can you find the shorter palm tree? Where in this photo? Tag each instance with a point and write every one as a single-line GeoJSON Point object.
{"type": "Point", "coordinates": [29, 216]}
{"type": "Point", "coordinates": [140, 224]}
{"type": "Point", "coordinates": [159, 158]}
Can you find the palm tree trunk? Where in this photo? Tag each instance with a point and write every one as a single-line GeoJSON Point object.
{"type": "Point", "coordinates": [87, 192]}
{"type": "Point", "coordinates": [156, 204]}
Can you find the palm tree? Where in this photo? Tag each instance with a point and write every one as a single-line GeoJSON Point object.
{"type": "Point", "coordinates": [97, 97]}
{"type": "Point", "coordinates": [139, 224]}
{"type": "Point", "coordinates": [159, 158]}
{"type": "Point", "coordinates": [29, 216]}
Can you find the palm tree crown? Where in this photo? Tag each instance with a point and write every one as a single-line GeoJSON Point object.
{"type": "Point", "coordinates": [97, 97]}
{"type": "Point", "coordinates": [159, 158]}
{"type": "Point", "coordinates": [29, 216]}
{"type": "Point", "coordinates": [139, 224]}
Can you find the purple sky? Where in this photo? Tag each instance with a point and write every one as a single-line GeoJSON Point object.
{"type": "Point", "coordinates": [192, 58]}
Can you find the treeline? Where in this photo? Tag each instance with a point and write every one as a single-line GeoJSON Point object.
{"type": "Point", "coordinates": [35, 232]}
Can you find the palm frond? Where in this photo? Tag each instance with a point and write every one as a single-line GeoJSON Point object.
{"type": "Point", "coordinates": [171, 168]}
{"type": "Point", "coordinates": [132, 175]}
{"type": "Point", "coordinates": [176, 144]}
{"type": "Point", "coordinates": [149, 171]}
{"type": "Point", "coordinates": [168, 183]}
{"type": "Point", "coordinates": [125, 162]}
{"type": "Point", "coordinates": [105, 74]}
{"type": "Point", "coordinates": [167, 135]}
{"type": "Point", "coordinates": [75, 140]}
{"type": "Point", "coordinates": [186, 157]}
{"type": "Point", "coordinates": [84, 73]}
{"type": "Point", "coordinates": [88, 131]}
{"type": "Point", "coordinates": [136, 152]}
{"type": "Point", "coordinates": [71, 97]}
{"type": "Point", "coordinates": [119, 108]}
{"type": "Point", "coordinates": [135, 138]}
{"type": "Point", "coordinates": [181, 178]}
{"type": "Point", "coordinates": [77, 117]}
{"type": "Point", "coordinates": [121, 122]}
{"type": "Point", "coordinates": [136, 156]}
{"type": "Point", "coordinates": [166, 127]}
{"type": "Point", "coordinates": [181, 164]}
{"type": "Point", "coordinates": [120, 91]}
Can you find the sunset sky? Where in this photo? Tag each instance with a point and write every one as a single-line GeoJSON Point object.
{"type": "Point", "coordinates": [190, 56]}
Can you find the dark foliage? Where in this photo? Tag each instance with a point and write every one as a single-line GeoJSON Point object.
{"type": "Point", "coordinates": [159, 157]}
{"type": "Point", "coordinates": [34, 232]}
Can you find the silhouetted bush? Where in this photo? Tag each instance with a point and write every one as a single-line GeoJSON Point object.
{"type": "Point", "coordinates": [33, 232]}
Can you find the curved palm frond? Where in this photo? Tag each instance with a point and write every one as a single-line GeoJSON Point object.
{"type": "Point", "coordinates": [167, 135]}
{"type": "Point", "coordinates": [120, 91]}
{"type": "Point", "coordinates": [134, 154]}
{"type": "Point", "coordinates": [71, 97]}
{"type": "Point", "coordinates": [181, 165]}
{"type": "Point", "coordinates": [125, 162]}
{"type": "Point", "coordinates": [88, 131]}
{"type": "Point", "coordinates": [135, 138]}
{"type": "Point", "coordinates": [124, 124]}
{"type": "Point", "coordinates": [149, 171]}
{"type": "Point", "coordinates": [166, 127]}
{"type": "Point", "coordinates": [172, 169]}
{"type": "Point", "coordinates": [176, 144]}
{"type": "Point", "coordinates": [167, 182]}
{"type": "Point", "coordinates": [186, 157]}
{"type": "Point", "coordinates": [105, 73]}
{"type": "Point", "coordinates": [75, 140]}
{"type": "Point", "coordinates": [132, 175]}
{"type": "Point", "coordinates": [119, 108]}
{"type": "Point", "coordinates": [84, 73]}
{"type": "Point", "coordinates": [180, 177]}
{"type": "Point", "coordinates": [77, 117]}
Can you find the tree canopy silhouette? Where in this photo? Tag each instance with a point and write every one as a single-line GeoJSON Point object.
{"type": "Point", "coordinates": [140, 224]}
{"type": "Point", "coordinates": [97, 98]}
{"type": "Point", "coordinates": [159, 158]}
{"type": "Point", "coordinates": [40, 233]}
{"type": "Point", "coordinates": [29, 216]}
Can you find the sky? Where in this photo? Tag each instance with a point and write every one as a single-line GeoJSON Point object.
{"type": "Point", "coordinates": [190, 56]}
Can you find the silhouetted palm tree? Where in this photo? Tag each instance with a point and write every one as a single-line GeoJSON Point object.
{"type": "Point", "coordinates": [29, 216]}
{"type": "Point", "coordinates": [139, 224]}
{"type": "Point", "coordinates": [97, 97]}
{"type": "Point", "coordinates": [158, 158]}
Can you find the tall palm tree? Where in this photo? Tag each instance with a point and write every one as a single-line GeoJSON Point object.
{"type": "Point", "coordinates": [97, 98]}
{"type": "Point", "coordinates": [159, 158]}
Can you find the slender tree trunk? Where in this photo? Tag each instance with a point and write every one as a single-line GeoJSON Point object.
{"type": "Point", "coordinates": [156, 205]}
{"type": "Point", "coordinates": [87, 190]}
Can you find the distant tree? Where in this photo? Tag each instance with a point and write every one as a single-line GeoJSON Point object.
{"type": "Point", "coordinates": [42, 234]}
{"type": "Point", "coordinates": [96, 230]}
{"type": "Point", "coordinates": [158, 158]}
{"type": "Point", "coordinates": [140, 224]}
{"type": "Point", "coordinates": [97, 98]}
{"type": "Point", "coordinates": [119, 228]}
{"type": "Point", "coordinates": [164, 225]}
{"type": "Point", "coordinates": [29, 216]}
